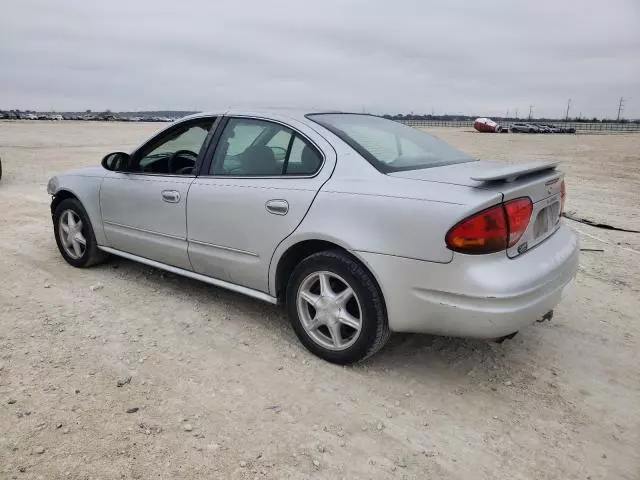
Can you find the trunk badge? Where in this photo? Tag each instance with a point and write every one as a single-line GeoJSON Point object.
{"type": "Point", "coordinates": [523, 247]}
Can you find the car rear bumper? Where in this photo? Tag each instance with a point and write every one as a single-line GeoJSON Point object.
{"type": "Point", "coordinates": [484, 296]}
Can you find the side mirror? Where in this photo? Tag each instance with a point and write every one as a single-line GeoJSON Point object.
{"type": "Point", "coordinates": [116, 162]}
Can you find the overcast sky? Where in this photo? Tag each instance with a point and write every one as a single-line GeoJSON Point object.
{"type": "Point", "coordinates": [474, 57]}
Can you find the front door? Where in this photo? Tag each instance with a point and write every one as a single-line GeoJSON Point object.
{"type": "Point", "coordinates": [260, 183]}
{"type": "Point", "coordinates": [144, 208]}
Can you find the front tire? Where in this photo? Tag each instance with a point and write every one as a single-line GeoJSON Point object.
{"type": "Point", "coordinates": [336, 308]}
{"type": "Point", "coordinates": [74, 235]}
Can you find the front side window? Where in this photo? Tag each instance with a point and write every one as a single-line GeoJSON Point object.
{"type": "Point", "coordinates": [250, 147]}
{"type": "Point", "coordinates": [390, 146]}
{"type": "Point", "coordinates": [175, 152]}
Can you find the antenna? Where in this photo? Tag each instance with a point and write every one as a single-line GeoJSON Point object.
{"type": "Point", "coordinates": [620, 108]}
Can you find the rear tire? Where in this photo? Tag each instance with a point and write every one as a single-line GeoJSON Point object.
{"type": "Point", "coordinates": [74, 235]}
{"type": "Point", "coordinates": [332, 296]}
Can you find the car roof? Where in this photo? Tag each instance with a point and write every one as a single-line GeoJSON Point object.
{"type": "Point", "coordinates": [273, 112]}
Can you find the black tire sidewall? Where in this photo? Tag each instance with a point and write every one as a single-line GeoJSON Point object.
{"type": "Point", "coordinates": [370, 298]}
{"type": "Point", "coordinates": [92, 246]}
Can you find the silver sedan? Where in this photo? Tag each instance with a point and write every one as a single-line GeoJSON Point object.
{"type": "Point", "coordinates": [358, 225]}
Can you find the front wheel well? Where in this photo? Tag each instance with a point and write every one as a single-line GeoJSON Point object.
{"type": "Point", "coordinates": [59, 197]}
{"type": "Point", "coordinates": [298, 252]}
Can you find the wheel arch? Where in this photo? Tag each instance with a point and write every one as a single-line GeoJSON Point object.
{"type": "Point", "coordinates": [61, 195]}
{"type": "Point", "coordinates": [85, 190]}
{"type": "Point", "coordinates": [301, 249]}
{"type": "Point", "coordinates": [92, 254]}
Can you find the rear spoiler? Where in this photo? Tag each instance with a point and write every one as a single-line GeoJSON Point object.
{"type": "Point", "coordinates": [510, 173]}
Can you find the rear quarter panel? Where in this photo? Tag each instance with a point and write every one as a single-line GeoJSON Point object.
{"type": "Point", "coordinates": [398, 217]}
{"type": "Point", "coordinates": [406, 227]}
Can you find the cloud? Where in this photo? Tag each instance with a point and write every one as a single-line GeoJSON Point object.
{"type": "Point", "coordinates": [410, 55]}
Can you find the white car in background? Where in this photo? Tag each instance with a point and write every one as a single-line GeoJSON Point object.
{"type": "Point", "coordinates": [360, 226]}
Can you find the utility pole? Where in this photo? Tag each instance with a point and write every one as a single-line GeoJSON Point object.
{"type": "Point", "coordinates": [507, 115]}
{"type": "Point", "coordinates": [516, 114]}
{"type": "Point", "coordinates": [530, 110]}
{"type": "Point", "coordinates": [568, 106]}
{"type": "Point", "coordinates": [620, 108]}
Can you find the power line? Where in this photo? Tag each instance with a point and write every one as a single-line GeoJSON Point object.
{"type": "Point", "coordinates": [620, 108]}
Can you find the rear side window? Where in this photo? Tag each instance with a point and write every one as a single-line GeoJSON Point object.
{"type": "Point", "coordinates": [303, 158]}
{"type": "Point", "coordinates": [251, 147]}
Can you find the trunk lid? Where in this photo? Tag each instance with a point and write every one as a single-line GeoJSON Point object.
{"type": "Point", "coordinates": [539, 181]}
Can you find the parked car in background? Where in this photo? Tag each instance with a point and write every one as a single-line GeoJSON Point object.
{"type": "Point", "coordinates": [549, 128]}
{"type": "Point", "coordinates": [522, 128]}
{"type": "Point", "coordinates": [358, 225]}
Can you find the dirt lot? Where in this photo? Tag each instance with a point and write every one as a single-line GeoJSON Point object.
{"type": "Point", "coordinates": [224, 390]}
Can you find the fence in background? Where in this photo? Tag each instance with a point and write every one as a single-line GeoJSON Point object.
{"type": "Point", "coordinates": [579, 126]}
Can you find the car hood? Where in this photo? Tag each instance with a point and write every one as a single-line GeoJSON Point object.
{"type": "Point", "coordinates": [55, 182]}
{"type": "Point", "coordinates": [90, 171]}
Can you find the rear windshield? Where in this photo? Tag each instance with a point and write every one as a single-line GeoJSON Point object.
{"type": "Point", "coordinates": [390, 146]}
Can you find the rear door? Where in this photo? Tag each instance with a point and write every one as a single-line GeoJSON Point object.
{"type": "Point", "coordinates": [254, 190]}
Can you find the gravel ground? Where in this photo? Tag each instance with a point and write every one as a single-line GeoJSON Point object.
{"type": "Point", "coordinates": [123, 371]}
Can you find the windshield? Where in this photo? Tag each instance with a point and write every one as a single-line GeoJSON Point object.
{"type": "Point", "coordinates": [390, 146]}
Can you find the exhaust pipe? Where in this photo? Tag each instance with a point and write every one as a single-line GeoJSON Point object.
{"type": "Point", "coordinates": [546, 317]}
{"type": "Point", "coordinates": [506, 337]}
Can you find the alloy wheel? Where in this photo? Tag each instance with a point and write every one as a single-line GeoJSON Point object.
{"type": "Point", "coordinates": [72, 235]}
{"type": "Point", "coordinates": [329, 310]}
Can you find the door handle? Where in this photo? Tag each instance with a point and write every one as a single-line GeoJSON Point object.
{"type": "Point", "coordinates": [171, 196]}
{"type": "Point", "coordinates": [277, 207]}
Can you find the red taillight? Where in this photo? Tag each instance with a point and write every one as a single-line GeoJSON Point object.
{"type": "Point", "coordinates": [518, 215]}
{"type": "Point", "coordinates": [491, 230]}
{"type": "Point", "coordinates": [563, 196]}
{"type": "Point", "coordinates": [484, 232]}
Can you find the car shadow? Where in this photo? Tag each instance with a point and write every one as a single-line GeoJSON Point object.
{"type": "Point", "coordinates": [206, 295]}
{"type": "Point", "coordinates": [410, 354]}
